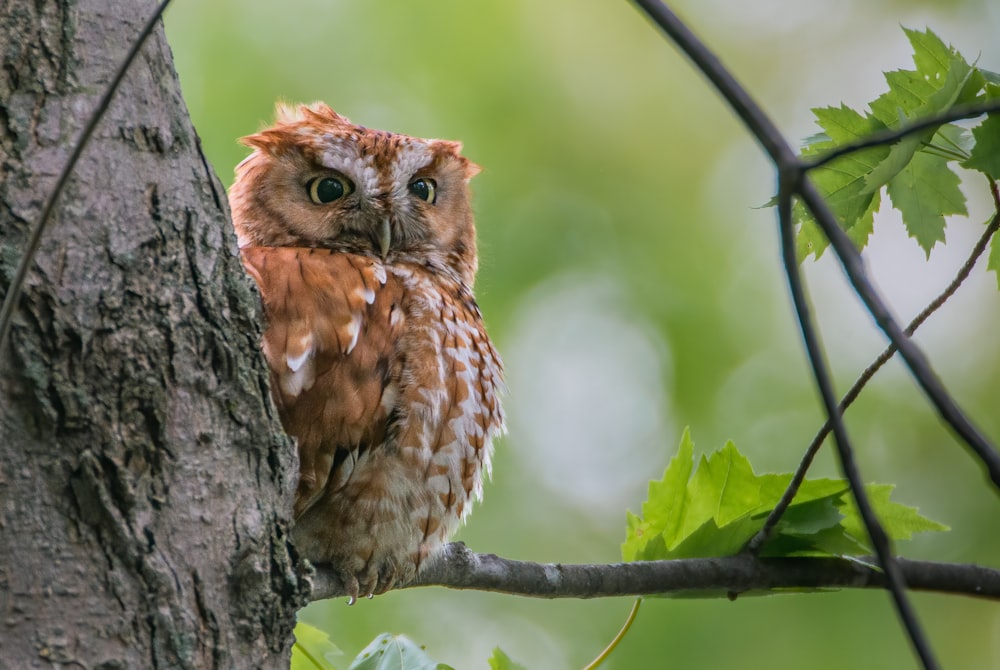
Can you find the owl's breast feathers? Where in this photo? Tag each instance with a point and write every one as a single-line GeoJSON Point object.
{"type": "Point", "coordinates": [376, 368]}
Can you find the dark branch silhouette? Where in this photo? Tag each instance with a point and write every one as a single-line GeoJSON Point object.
{"type": "Point", "coordinates": [460, 568]}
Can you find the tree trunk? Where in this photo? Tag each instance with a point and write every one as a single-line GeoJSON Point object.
{"type": "Point", "coordinates": [144, 479]}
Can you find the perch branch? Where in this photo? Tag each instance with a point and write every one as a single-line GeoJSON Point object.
{"type": "Point", "coordinates": [460, 568]}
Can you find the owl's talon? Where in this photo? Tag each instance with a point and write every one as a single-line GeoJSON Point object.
{"type": "Point", "coordinates": [351, 587]}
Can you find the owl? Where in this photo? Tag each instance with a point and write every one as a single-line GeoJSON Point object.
{"type": "Point", "coordinates": [363, 245]}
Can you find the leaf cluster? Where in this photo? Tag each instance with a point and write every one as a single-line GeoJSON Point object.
{"type": "Point", "coordinates": [916, 172]}
{"type": "Point", "coordinates": [715, 508]}
{"type": "Point", "coordinates": [313, 650]}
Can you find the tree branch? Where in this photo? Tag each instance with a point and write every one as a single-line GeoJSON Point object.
{"type": "Point", "coordinates": [460, 568]}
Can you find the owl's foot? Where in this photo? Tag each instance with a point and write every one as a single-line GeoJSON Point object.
{"type": "Point", "coordinates": [374, 579]}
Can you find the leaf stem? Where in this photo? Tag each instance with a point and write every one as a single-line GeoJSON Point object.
{"type": "Point", "coordinates": [618, 638]}
{"type": "Point", "coordinates": [305, 652]}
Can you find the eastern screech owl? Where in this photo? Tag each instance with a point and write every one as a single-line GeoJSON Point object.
{"type": "Point", "coordinates": [363, 245]}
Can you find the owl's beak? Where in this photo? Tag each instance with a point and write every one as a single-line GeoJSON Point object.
{"type": "Point", "coordinates": [385, 237]}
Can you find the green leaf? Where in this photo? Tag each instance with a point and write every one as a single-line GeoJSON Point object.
{"type": "Point", "coordinates": [843, 183]}
{"type": "Point", "coordinates": [915, 170]}
{"type": "Point", "coordinates": [991, 77]}
{"type": "Point", "coordinates": [722, 490]}
{"type": "Point", "coordinates": [809, 518]}
{"type": "Point", "coordinates": [395, 652]}
{"type": "Point", "coordinates": [899, 521]}
{"type": "Point", "coordinates": [313, 649]}
{"type": "Point", "coordinates": [994, 260]}
{"type": "Point", "coordinates": [986, 154]}
{"type": "Point", "coordinates": [664, 506]}
{"type": "Point", "coordinates": [931, 56]}
{"type": "Point", "coordinates": [924, 192]}
{"type": "Point", "coordinates": [501, 661]}
{"type": "Point", "coordinates": [842, 125]}
{"type": "Point", "coordinates": [772, 487]}
{"type": "Point", "coordinates": [714, 510]}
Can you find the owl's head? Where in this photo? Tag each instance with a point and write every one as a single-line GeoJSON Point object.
{"type": "Point", "coordinates": [315, 179]}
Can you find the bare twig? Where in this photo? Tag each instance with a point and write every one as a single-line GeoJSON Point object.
{"type": "Point", "coordinates": [459, 568]}
{"type": "Point", "coordinates": [880, 540]}
{"type": "Point", "coordinates": [35, 238]}
{"type": "Point", "coordinates": [757, 541]}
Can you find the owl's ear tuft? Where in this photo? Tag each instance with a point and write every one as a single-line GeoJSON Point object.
{"type": "Point", "coordinates": [267, 140]}
{"type": "Point", "coordinates": [471, 169]}
{"type": "Point", "coordinates": [286, 113]}
{"type": "Point", "coordinates": [454, 150]}
{"type": "Point", "coordinates": [320, 112]}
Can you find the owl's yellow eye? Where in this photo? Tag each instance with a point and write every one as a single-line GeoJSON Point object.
{"type": "Point", "coordinates": [324, 190]}
{"type": "Point", "coordinates": [425, 189]}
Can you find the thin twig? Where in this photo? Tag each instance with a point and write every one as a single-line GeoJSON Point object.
{"type": "Point", "coordinates": [35, 238]}
{"type": "Point", "coordinates": [758, 540]}
{"type": "Point", "coordinates": [889, 136]}
{"type": "Point", "coordinates": [459, 568]}
{"type": "Point", "coordinates": [880, 541]}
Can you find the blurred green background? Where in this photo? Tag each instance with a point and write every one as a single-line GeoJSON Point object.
{"type": "Point", "coordinates": [633, 288]}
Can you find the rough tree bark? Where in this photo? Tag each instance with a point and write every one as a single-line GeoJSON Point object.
{"type": "Point", "coordinates": [144, 484]}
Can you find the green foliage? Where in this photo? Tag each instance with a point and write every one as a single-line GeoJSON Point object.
{"type": "Point", "coordinates": [313, 649]}
{"type": "Point", "coordinates": [395, 652]}
{"type": "Point", "coordinates": [714, 510]}
{"type": "Point", "coordinates": [501, 661]}
{"type": "Point", "coordinates": [917, 171]}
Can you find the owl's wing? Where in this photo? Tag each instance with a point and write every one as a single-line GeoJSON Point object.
{"type": "Point", "coordinates": [329, 342]}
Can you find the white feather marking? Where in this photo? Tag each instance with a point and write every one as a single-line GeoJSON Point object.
{"type": "Point", "coordinates": [438, 483]}
{"type": "Point", "coordinates": [352, 330]}
{"type": "Point", "coordinates": [413, 156]}
{"type": "Point", "coordinates": [395, 317]}
{"type": "Point", "coordinates": [295, 383]}
{"type": "Point", "coordinates": [389, 396]}
{"type": "Point", "coordinates": [296, 362]}
{"type": "Point", "coordinates": [369, 296]}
